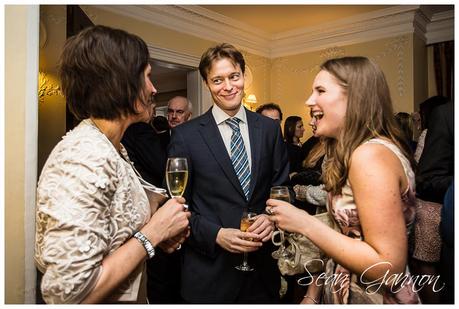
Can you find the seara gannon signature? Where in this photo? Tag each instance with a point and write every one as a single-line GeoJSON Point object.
{"type": "Point", "coordinates": [391, 281]}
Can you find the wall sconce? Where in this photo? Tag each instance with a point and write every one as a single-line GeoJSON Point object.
{"type": "Point", "coordinates": [249, 101]}
{"type": "Point", "coordinates": [46, 88]}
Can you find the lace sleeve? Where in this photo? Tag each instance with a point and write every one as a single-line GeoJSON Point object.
{"type": "Point", "coordinates": [73, 223]}
{"type": "Point", "coordinates": [315, 195]}
{"type": "Point", "coordinates": [420, 146]}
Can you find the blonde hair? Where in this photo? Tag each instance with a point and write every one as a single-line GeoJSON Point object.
{"type": "Point", "coordinates": [317, 152]}
{"type": "Point", "coordinates": [369, 114]}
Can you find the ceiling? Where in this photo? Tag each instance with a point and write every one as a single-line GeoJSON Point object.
{"type": "Point", "coordinates": [272, 19]}
{"type": "Point", "coordinates": [280, 18]}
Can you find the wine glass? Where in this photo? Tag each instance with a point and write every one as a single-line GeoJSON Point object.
{"type": "Point", "coordinates": [176, 176]}
{"type": "Point", "coordinates": [280, 193]}
{"type": "Point", "coordinates": [246, 221]}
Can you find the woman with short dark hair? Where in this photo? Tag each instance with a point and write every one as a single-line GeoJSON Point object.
{"type": "Point", "coordinates": [95, 226]}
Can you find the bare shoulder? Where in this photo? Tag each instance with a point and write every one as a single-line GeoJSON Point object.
{"type": "Point", "coordinates": [374, 159]}
{"type": "Point", "coordinates": [376, 165]}
{"type": "Point", "coordinates": [372, 152]}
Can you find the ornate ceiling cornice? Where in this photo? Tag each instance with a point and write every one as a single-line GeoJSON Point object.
{"type": "Point", "coordinates": [200, 22]}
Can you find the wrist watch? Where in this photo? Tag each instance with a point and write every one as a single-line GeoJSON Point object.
{"type": "Point", "coordinates": [145, 243]}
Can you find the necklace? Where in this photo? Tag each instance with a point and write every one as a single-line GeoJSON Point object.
{"type": "Point", "coordinates": [93, 124]}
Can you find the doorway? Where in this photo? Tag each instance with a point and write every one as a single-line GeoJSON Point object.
{"type": "Point", "coordinates": [170, 80]}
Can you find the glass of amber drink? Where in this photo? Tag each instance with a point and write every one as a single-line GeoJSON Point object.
{"type": "Point", "coordinates": [246, 221]}
{"type": "Point", "coordinates": [280, 193]}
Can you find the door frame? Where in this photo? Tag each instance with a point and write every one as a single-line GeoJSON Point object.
{"type": "Point", "coordinates": [202, 100]}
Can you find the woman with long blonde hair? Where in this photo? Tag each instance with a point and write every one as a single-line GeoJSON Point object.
{"type": "Point", "coordinates": [369, 177]}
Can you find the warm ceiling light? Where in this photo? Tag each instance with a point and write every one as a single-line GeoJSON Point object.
{"type": "Point", "coordinates": [251, 99]}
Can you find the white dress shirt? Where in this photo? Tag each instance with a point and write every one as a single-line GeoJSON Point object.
{"type": "Point", "coordinates": [225, 130]}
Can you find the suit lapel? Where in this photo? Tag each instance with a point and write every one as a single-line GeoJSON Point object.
{"type": "Point", "coordinates": [255, 147]}
{"type": "Point", "coordinates": [212, 137]}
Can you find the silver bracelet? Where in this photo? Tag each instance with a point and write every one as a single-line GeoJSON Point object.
{"type": "Point", "coordinates": [315, 301]}
{"type": "Point", "coordinates": [145, 243]}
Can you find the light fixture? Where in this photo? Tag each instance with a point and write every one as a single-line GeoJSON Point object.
{"type": "Point", "coordinates": [249, 101]}
{"type": "Point", "coordinates": [46, 87]}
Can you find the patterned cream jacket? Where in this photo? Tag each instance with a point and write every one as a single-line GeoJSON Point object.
{"type": "Point", "coordinates": [89, 202]}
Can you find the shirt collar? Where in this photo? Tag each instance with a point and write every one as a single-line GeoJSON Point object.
{"type": "Point", "coordinates": [220, 116]}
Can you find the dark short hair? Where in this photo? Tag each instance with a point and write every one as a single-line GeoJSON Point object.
{"type": "Point", "coordinates": [160, 123]}
{"type": "Point", "coordinates": [102, 72]}
{"type": "Point", "coordinates": [269, 106]}
{"type": "Point", "coordinates": [426, 107]}
{"type": "Point", "coordinates": [289, 128]}
{"type": "Point", "coordinates": [220, 51]}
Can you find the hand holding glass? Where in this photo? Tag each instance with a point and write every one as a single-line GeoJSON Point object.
{"type": "Point", "coordinates": [246, 221]}
{"type": "Point", "coordinates": [280, 193]}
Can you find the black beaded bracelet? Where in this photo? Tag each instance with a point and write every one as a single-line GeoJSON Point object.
{"type": "Point", "coordinates": [145, 243]}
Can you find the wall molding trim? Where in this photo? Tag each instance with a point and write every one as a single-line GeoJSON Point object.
{"type": "Point", "coordinates": [203, 23]}
{"type": "Point", "coordinates": [170, 55]}
{"type": "Point", "coordinates": [441, 28]}
{"type": "Point", "coordinates": [197, 21]}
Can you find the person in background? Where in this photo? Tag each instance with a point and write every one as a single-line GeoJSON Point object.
{"type": "Point", "coordinates": [293, 132]}
{"type": "Point", "coordinates": [234, 159]}
{"type": "Point", "coordinates": [95, 226]}
{"type": "Point", "coordinates": [405, 122]}
{"type": "Point", "coordinates": [436, 165]}
{"type": "Point", "coordinates": [434, 176]}
{"type": "Point", "coordinates": [370, 180]}
{"type": "Point", "coordinates": [146, 150]}
{"type": "Point", "coordinates": [425, 109]}
{"type": "Point", "coordinates": [179, 110]}
{"type": "Point", "coordinates": [447, 250]}
{"type": "Point", "coordinates": [271, 110]}
{"type": "Point", "coordinates": [161, 126]}
{"type": "Point", "coordinates": [307, 184]}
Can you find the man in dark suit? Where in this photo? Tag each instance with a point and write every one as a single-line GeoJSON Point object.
{"type": "Point", "coordinates": [235, 156]}
{"type": "Point", "coordinates": [436, 165]}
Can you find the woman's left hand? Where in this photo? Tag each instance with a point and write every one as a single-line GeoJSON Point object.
{"type": "Point", "coordinates": [175, 243]}
{"type": "Point", "coordinates": [286, 216]}
{"type": "Point", "coordinates": [263, 227]}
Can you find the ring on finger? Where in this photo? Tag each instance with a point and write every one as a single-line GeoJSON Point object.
{"type": "Point", "coordinates": [269, 210]}
{"type": "Point", "coordinates": [179, 247]}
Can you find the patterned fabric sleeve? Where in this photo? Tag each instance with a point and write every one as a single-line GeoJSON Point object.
{"type": "Point", "coordinates": [315, 195]}
{"type": "Point", "coordinates": [420, 145]}
{"type": "Point", "coordinates": [74, 196]}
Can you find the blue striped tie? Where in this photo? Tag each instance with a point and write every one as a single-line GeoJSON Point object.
{"type": "Point", "coordinates": [239, 156]}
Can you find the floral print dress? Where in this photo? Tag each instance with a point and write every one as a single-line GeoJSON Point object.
{"type": "Point", "coordinates": [345, 287]}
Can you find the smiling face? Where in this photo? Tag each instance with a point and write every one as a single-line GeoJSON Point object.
{"type": "Point", "coordinates": [226, 85]}
{"type": "Point", "coordinates": [328, 103]}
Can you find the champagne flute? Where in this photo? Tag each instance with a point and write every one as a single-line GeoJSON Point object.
{"type": "Point", "coordinates": [246, 221]}
{"type": "Point", "coordinates": [280, 193]}
{"type": "Point", "coordinates": [176, 176]}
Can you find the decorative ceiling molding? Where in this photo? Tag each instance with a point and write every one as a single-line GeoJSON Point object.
{"type": "Point", "coordinates": [441, 27]}
{"type": "Point", "coordinates": [200, 22]}
{"type": "Point", "coordinates": [169, 55]}
{"type": "Point", "coordinates": [203, 23]}
{"type": "Point", "coordinates": [372, 26]}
